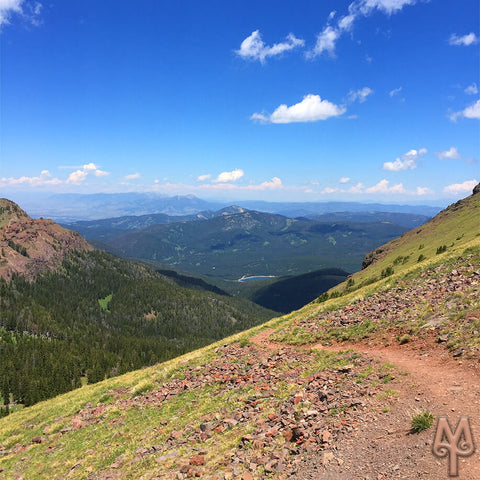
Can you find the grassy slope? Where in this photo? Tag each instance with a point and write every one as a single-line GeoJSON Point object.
{"type": "Point", "coordinates": [454, 227]}
{"type": "Point", "coordinates": [123, 432]}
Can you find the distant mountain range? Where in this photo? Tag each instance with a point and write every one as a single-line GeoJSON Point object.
{"type": "Point", "coordinates": [108, 228]}
{"type": "Point", "coordinates": [74, 207]}
{"type": "Point", "coordinates": [255, 243]}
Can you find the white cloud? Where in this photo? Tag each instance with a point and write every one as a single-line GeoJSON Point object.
{"type": "Point", "coordinates": [471, 89]}
{"type": "Point", "coordinates": [202, 178]}
{"type": "Point", "coordinates": [423, 191]}
{"type": "Point", "coordinates": [254, 48]}
{"type": "Point", "coordinates": [232, 176]}
{"type": "Point", "coordinates": [328, 190]}
{"type": "Point", "coordinates": [451, 153]}
{"type": "Point", "coordinates": [132, 176]}
{"type": "Point", "coordinates": [311, 109]}
{"type": "Point", "coordinates": [386, 6]}
{"type": "Point", "coordinates": [79, 176]}
{"type": "Point", "coordinates": [383, 187]}
{"type": "Point", "coordinates": [408, 161]}
{"type": "Point", "coordinates": [473, 111]}
{"type": "Point", "coordinates": [45, 178]}
{"type": "Point", "coordinates": [360, 95]}
{"type": "Point", "coordinates": [344, 180]}
{"type": "Point", "coordinates": [274, 183]}
{"type": "Point", "coordinates": [325, 42]}
{"type": "Point", "coordinates": [464, 40]}
{"type": "Point", "coordinates": [358, 188]}
{"type": "Point", "coordinates": [456, 188]}
{"type": "Point", "coordinates": [327, 38]}
{"type": "Point", "coordinates": [28, 10]}
{"type": "Point", "coordinates": [346, 23]}
{"type": "Point", "coordinates": [7, 7]}
{"type": "Point", "coordinates": [395, 91]}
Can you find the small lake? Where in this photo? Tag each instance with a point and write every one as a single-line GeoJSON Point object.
{"type": "Point", "coordinates": [258, 277]}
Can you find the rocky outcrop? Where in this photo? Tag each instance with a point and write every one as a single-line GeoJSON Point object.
{"type": "Point", "coordinates": [30, 247]}
{"type": "Point", "coordinates": [371, 257]}
{"type": "Point", "coordinates": [476, 189]}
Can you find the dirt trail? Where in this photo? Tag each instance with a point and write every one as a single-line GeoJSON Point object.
{"type": "Point", "coordinates": [383, 447]}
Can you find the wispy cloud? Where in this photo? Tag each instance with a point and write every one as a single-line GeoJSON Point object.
{"type": "Point", "coordinates": [471, 89]}
{"type": "Point", "coordinates": [311, 109]}
{"type": "Point", "coordinates": [451, 153]}
{"type": "Point", "coordinates": [27, 10]}
{"type": "Point", "coordinates": [44, 179]}
{"type": "Point", "coordinates": [253, 47]}
{"type": "Point", "coordinates": [232, 176]}
{"type": "Point", "coordinates": [79, 176]}
{"type": "Point", "coordinates": [225, 187]}
{"type": "Point", "coordinates": [328, 37]}
{"type": "Point", "coordinates": [383, 187]}
{"type": "Point", "coordinates": [132, 176]}
{"type": "Point", "coordinates": [344, 180]}
{"type": "Point", "coordinates": [464, 40]}
{"type": "Point", "coordinates": [472, 111]}
{"type": "Point", "coordinates": [408, 161]}
{"type": "Point", "coordinates": [203, 178]}
{"type": "Point", "coordinates": [395, 91]}
{"type": "Point", "coordinates": [456, 188]}
{"type": "Point", "coordinates": [360, 95]}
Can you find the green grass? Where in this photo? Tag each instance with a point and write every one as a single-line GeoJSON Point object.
{"type": "Point", "coordinates": [422, 421]}
{"type": "Point", "coordinates": [457, 227]}
{"type": "Point", "coordinates": [105, 301]}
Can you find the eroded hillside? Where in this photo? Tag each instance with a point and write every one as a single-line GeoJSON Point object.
{"type": "Point", "coordinates": [29, 247]}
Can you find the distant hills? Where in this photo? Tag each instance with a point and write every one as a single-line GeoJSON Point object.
{"type": "Point", "coordinates": [255, 243]}
{"type": "Point", "coordinates": [69, 208]}
{"type": "Point", "coordinates": [108, 228]}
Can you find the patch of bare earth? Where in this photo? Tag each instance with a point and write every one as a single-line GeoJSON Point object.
{"type": "Point", "coordinates": [383, 447]}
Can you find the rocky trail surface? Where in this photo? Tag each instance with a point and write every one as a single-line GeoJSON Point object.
{"type": "Point", "coordinates": [383, 446]}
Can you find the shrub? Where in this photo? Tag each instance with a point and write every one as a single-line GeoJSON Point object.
{"type": "Point", "coordinates": [422, 421]}
{"type": "Point", "coordinates": [441, 249]}
{"type": "Point", "coordinates": [387, 272]}
{"type": "Point", "coordinates": [421, 258]}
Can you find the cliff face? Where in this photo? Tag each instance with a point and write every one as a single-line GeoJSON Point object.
{"type": "Point", "coordinates": [30, 247]}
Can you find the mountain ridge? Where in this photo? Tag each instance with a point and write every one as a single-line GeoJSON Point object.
{"type": "Point", "coordinates": [29, 247]}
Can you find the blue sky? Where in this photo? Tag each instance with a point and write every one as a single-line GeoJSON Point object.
{"type": "Point", "coordinates": [370, 100]}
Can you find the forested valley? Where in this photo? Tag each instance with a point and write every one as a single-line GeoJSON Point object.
{"type": "Point", "coordinates": [100, 316]}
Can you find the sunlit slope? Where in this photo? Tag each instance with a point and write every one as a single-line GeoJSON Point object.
{"type": "Point", "coordinates": [450, 231]}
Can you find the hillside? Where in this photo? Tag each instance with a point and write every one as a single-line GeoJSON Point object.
{"type": "Point", "coordinates": [329, 391]}
{"type": "Point", "coordinates": [292, 293]}
{"type": "Point", "coordinates": [29, 247]}
{"type": "Point", "coordinates": [71, 315]}
{"type": "Point", "coordinates": [255, 243]}
{"type": "Point", "coordinates": [450, 230]}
